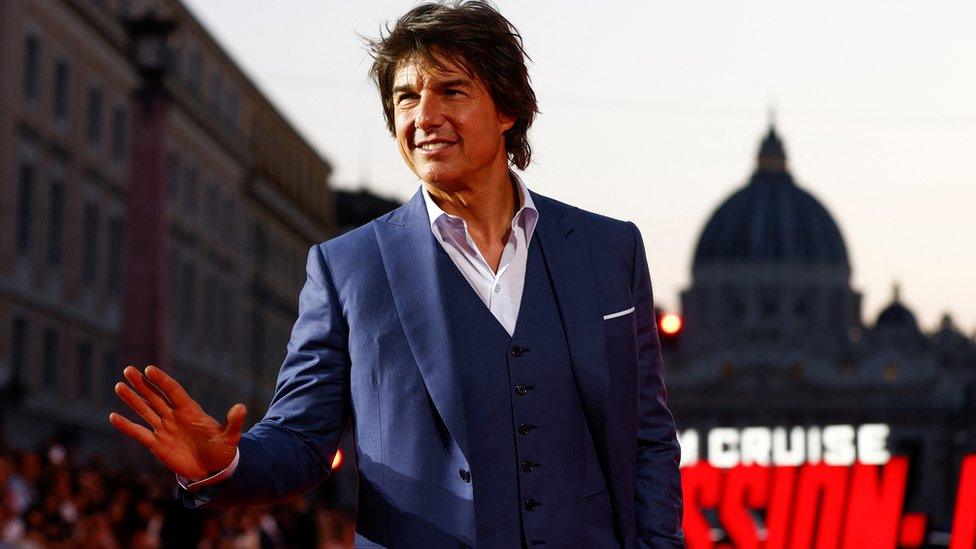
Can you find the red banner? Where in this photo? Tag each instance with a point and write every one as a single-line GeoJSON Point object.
{"type": "Point", "coordinates": [814, 506]}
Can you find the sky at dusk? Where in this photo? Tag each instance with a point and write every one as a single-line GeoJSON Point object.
{"type": "Point", "coordinates": [653, 112]}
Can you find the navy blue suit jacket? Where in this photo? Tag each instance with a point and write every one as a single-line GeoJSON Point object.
{"type": "Point", "coordinates": [372, 344]}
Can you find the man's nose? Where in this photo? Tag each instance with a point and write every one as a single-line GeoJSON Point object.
{"type": "Point", "coordinates": [429, 114]}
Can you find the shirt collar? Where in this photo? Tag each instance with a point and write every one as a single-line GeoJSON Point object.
{"type": "Point", "coordinates": [526, 211]}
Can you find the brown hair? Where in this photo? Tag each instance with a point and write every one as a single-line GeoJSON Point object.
{"type": "Point", "coordinates": [475, 35]}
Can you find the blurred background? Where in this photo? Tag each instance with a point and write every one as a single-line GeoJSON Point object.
{"type": "Point", "coordinates": [802, 174]}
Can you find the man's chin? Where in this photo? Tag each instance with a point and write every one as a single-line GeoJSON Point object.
{"type": "Point", "coordinates": [439, 176]}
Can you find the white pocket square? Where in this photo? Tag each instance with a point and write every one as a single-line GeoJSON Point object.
{"type": "Point", "coordinates": [619, 313]}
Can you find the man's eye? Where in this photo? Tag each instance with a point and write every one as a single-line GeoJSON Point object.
{"type": "Point", "coordinates": [452, 92]}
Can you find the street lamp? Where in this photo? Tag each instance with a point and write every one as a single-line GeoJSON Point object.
{"type": "Point", "coordinates": [149, 52]}
{"type": "Point", "coordinates": [144, 283]}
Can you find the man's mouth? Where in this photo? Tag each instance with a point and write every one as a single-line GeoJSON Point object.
{"type": "Point", "coordinates": [434, 145]}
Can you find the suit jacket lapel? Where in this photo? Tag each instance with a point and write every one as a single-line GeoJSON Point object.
{"type": "Point", "coordinates": [570, 265]}
{"type": "Point", "coordinates": [408, 248]}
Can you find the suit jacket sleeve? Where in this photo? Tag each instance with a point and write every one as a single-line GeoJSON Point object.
{"type": "Point", "coordinates": [658, 488]}
{"type": "Point", "coordinates": [291, 449]}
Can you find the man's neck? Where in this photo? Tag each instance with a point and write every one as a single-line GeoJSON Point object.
{"type": "Point", "coordinates": [487, 208]}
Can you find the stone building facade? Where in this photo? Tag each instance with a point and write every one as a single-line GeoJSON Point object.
{"type": "Point", "coordinates": [155, 210]}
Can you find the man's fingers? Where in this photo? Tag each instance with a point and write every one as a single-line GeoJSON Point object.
{"type": "Point", "coordinates": [137, 403]}
{"type": "Point", "coordinates": [138, 432]}
{"type": "Point", "coordinates": [235, 420]}
{"type": "Point", "coordinates": [169, 386]}
{"type": "Point", "coordinates": [148, 394]}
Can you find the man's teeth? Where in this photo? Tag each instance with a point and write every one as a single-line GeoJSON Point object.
{"type": "Point", "coordinates": [433, 146]}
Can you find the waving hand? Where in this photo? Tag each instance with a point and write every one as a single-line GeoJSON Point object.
{"type": "Point", "coordinates": [181, 435]}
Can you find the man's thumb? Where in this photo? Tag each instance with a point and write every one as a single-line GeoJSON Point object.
{"type": "Point", "coordinates": [235, 419]}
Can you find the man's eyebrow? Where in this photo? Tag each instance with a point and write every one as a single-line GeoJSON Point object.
{"type": "Point", "coordinates": [402, 88]}
{"type": "Point", "coordinates": [457, 82]}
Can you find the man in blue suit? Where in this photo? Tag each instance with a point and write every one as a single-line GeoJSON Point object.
{"type": "Point", "coordinates": [495, 350]}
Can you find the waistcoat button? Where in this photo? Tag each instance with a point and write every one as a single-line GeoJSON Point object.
{"type": "Point", "coordinates": [524, 428]}
{"type": "Point", "coordinates": [520, 390]}
{"type": "Point", "coordinates": [465, 475]}
{"type": "Point", "coordinates": [531, 504]}
{"type": "Point", "coordinates": [528, 466]}
{"type": "Point", "coordinates": [517, 351]}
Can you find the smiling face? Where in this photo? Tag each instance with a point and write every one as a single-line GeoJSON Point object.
{"type": "Point", "coordinates": [447, 127]}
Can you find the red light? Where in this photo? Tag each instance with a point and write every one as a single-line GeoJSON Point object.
{"type": "Point", "coordinates": [670, 323]}
{"type": "Point", "coordinates": [337, 460]}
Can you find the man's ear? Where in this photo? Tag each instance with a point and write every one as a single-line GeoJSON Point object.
{"type": "Point", "coordinates": [506, 121]}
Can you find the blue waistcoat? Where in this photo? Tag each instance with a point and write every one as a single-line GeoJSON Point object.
{"type": "Point", "coordinates": [534, 468]}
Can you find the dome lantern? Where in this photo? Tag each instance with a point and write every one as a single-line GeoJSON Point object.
{"type": "Point", "coordinates": [772, 154]}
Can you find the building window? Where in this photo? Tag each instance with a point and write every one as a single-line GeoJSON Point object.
{"type": "Point", "coordinates": [801, 307]}
{"type": "Point", "coordinates": [176, 55]}
{"type": "Point", "coordinates": [172, 285]}
{"type": "Point", "coordinates": [769, 300]}
{"type": "Point", "coordinates": [18, 349]}
{"type": "Point", "coordinates": [83, 380]}
{"type": "Point", "coordinates": [172, 175]}
{"type": "Point", "coordinates": [94, 128]}
{"type": "Point", "coordinates": [226, 313]}
{"type": "Point", "coordinates": [227, 221]}
{"type": "Point", "coordinates": [837, 306]}
{"type": "Point", "coordinates": [216, 94]}
{"type": "Point", "coordinates": [190, 189]}
{"type": "Point", "coordinates": [735, 307]}
{"type": "Point", "coordinates": [891, 372]}
{"type": "Point", "coordinates": [260, 240]}
{"type": "Point", "coordinates": [25, 204]}
{"type": "Point", "coordinates": [119, 121]}
{"type": "Point", "coordinates": [194, 70]}
{"type": "Point", "coordinates": [209, 309]}
{"type": "Point", "coordinates": [187, 298]}
{"type": "Point", "coordinates": [111, 371]}
{"type": "Point", "coordinates": [32, 60]}
{"type": "Point", "coordinates": [211, 205]}
{"type": "Point", "coordinates": [230, 111]}
{"type": "Point", "coordinates": [49, 371]}
{"type": "Point", "coordinates": [89, 259]}
{"type": "Point", "coordinates": [62, 90]}
{"type": "Point", "coordinates": [114, 286]}
{"type": "Point", "coordinates": [258, 344]}
{"type": "Point", "coordinates": [55, 222]}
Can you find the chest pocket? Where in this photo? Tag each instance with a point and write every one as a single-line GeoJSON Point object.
{"type": "Point", "coordinates": [619, 315]}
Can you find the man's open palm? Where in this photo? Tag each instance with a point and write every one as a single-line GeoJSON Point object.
{"type": "Point", "coordinates": [186, 439]}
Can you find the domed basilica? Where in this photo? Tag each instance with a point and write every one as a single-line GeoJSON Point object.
{"type": "Point", "coordinates": [773, 333]}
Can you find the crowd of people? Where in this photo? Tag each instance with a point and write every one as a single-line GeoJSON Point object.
{"type": "Point", "coordinates": [50, 498]}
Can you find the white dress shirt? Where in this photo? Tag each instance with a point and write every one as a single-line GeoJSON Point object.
{"type": "Point", "coordinates": [501, 290]}
{"type": "Point", "coordinates": [187, 484]}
